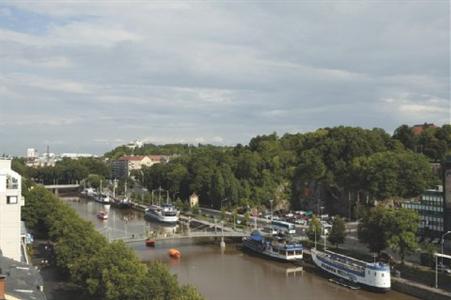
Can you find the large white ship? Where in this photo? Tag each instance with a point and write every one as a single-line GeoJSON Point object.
{"type": "Point", "coordinates": [374, 276]}
{"type": "Point", "coordinates": [166, 213]}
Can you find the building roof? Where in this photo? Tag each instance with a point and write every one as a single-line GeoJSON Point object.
{"type": "Point", "coordinates": [132, 157]}
{"type": "Point", "coordinates": [419, 128]}
{"type": "Point", "coordinates": [22, 281]}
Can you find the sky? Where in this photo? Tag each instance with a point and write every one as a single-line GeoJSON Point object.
{"type": "Point", "coordinates": [86, 76]}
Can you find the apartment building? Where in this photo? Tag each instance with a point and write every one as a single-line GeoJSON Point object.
{"type": "Point", "coordinates": [11, 201]}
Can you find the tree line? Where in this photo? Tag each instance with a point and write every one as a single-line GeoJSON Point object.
{"type": "Point", "coordinates": [65, 171]}
{"type": "Point", "coordinates": [341, 168]}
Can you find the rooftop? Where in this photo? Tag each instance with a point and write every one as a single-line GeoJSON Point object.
{"type": "Point", "coordinates": [22, 281]}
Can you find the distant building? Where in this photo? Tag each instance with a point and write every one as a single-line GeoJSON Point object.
{"type": "Point", "coordinates": [122, 167]}
{"type": "Point", "coordinates": [429, 207]}
{"type": "Point", "coordinates": [135, 144]}
{"type": "Point", "coordinates": [419, 128]}
{"type": "Point", "coordinates": [119, 169]}
{"type": "Point", "coordinates": [11, 201]}
{"type": "Point", "coordinates": [193, 200]}
{"type": "Point", "coordinates": [32, 153]}
{"type": "Point", "coordinates": [76, 155]}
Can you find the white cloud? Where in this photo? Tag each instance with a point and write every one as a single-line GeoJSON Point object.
{"type": "Point", "coordinates": [219, 73]}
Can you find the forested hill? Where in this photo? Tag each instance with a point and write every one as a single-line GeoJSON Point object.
{"type": "Point", "coordinates": [346, 167]}
{"type": "Point", "coordinates": [151, 149]}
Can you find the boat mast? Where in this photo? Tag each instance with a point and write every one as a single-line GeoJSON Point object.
{"type": "Point", "coordinates": [159, 196]}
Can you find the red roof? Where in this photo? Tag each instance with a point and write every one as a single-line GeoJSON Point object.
{"type": "Point", "coordinates": [418, 129]}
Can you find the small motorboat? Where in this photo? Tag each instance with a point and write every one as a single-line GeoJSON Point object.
{"type": "Point", "coordinates": [102, 215]}
{"type": "Point", "coordinates": [174, 253]}
{"type": "Point", "coordinates": [150, 243]}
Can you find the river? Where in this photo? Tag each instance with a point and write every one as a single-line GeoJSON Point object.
{"type": "Point", "coordinates": [223, 274]}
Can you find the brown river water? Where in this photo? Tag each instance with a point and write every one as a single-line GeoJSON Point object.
{"type": "Point", "coordinates": [227, 274]}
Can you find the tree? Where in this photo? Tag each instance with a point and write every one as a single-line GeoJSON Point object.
{"type": "Point", "coordinates": [314, 230]}
{"type": "Point", "coordinates": [371, 229]}
{"type": "Point", "coordinates": [388, 227]}
{"type": "Point", "coordinates": [405, 135]}
{"type": "Point", "coordinates": [402, 227]}
{"type": "Point", "coordinates": [246, 218]}
{"type": "Point", "coordinates": [338, 232]}
{"type": "Point", "coordinates": [93, 180]}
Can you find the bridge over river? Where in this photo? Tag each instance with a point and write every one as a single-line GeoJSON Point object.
{"type": "Point", "coordinates": [178, 236]}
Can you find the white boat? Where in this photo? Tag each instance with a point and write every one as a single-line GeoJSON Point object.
{"type": "Point", "coordinates": [274, 247]}
{"type": "Point", "coordinates": [103, 198]}
{"type": "Point", "coordinates": [102, 215]}
{"type": "Point", "coordinates": [374, 276]}
{"type": "Point", "coordinates": [166, 213]}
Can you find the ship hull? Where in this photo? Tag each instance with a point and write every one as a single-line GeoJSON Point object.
{"type": "Point", "coordinates": [162, 219]}
{"type": "Point", "coordinates": [352, 278]}
{"type": "Point", "coordinates": [252, 249]}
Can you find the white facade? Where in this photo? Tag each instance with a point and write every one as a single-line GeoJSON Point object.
{"type": "Point", "coordinates": [32, 153]}
{"type": "Point", "coordinates": [11, 201]}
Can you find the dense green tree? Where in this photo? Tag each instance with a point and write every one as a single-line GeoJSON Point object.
{"type": "Point", "coordinates": [372, 229]}
{"type": "Point", "coordinates": [94, 180]}
{"type": "Point", "coordinates": [389, 174]}
{"type": "Point", "coordinates": [387, 227]}
{"type": "Point", "coordinates": [338, 232]}
{"type": "Point", "coordinates": [314, 230]}
{"type": "Point", "coordinates": [402, 231]}
{"type": "Point", "coordinates": [405, 135]}
{"type": "Point", "coordinates": [340, 165]}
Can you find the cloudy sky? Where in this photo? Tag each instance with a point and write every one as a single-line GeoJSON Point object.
{"type": "Point", "coordinates": [87, 76]}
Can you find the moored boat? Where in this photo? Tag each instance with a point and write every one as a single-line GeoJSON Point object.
{"type": "Point", "coordinates": [103, 198]}
{"type": "Point", "coordinates": [174, 253]}
{"type": "Point", "coordinates": [274, 247]}
{"type": "Point", "coordinates": [122, 203]}
{"type": "Point", "coordinates": [150, 243]}
{"type": "Point", "coordinates": [102, 215]}
{"type": "Point", "coordinates": [374, 276]}
{"type": "Point", "coordinates": [166, 213]}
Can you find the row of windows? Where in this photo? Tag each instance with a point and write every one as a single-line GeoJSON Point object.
{"type": "Point", "coordinates": [425, 210]}
{"type": "Point", "coordinates": [438, 198]}
{"type": "Point", "coordinates": [375, 273]}
{"type": "Point", "coordinates": [432, 228]}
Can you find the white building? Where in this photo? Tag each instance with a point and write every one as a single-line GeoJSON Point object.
{"type": "Point", "coordinates": [135, 144]}
{"type": "Point", "coordinates": [77, 155]}
{"type": "Point", "coordinates": [11, 201]}
{"type": "Point", "coordinates": [32, 153]}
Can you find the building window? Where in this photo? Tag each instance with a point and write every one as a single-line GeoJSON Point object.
{"type": "Point", "coordinates": [11, 199]}
{"type": "Point", "coordinates": [12, 183]}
